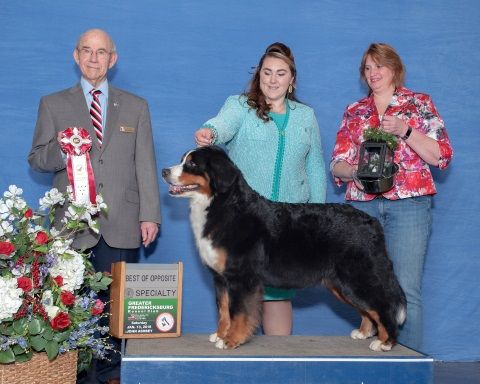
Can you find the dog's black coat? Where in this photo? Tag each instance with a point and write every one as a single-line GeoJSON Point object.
{"type": "Point", "coordinates": [293, 245]}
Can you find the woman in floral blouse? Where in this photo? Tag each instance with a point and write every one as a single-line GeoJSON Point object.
{"type": "Point", "coordinates": [405, 210]}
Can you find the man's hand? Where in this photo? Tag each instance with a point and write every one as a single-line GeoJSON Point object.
{"type": "Point", "coordinates": [149, 232]}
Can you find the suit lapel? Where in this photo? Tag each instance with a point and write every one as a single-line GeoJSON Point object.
{"type": "Point", "coordinates": [113, 112]}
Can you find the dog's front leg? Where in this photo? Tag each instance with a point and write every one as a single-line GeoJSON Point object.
{"type": "Point", "coordinates": [224, 322]}
{"type": "Point", "coordinates": [223, 307]}
{"type": "Point", "coordinates": [245, 315]}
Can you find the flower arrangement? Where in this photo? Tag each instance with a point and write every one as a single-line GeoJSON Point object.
{"type": "Point", "coordinates": [48, 290]}
{"type": "Point", "coordinates": [379, 135]}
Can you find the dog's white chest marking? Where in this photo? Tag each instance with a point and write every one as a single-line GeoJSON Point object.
{"type": "Point", "coordinates": [198, 218]}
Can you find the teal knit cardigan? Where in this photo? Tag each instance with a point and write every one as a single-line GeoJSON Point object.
{"type": "Point", "coordinates": [283, 166]}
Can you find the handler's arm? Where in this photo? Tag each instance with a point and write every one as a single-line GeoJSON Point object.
{"type": "Point", "coordinates": [45, 155]}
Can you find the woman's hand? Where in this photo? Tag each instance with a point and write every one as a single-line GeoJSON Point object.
{"type": "Point", "coordinates": [394, 125]}
{"type": "Point", "coordinates": [347, 172]}
{"type": "Point", "coordinates": [203, 137]}
{"type": "Point", "coordinates": [357, 181]}
{"type": "Point", "coordinates": [426, 147]}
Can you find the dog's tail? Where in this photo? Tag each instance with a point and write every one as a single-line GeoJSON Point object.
{"type": "Point", "coordinates": [397, 310]}
{"type": "Point", "coordinates": [399, 301]}
{"type": "Point", "coordinates": [401, 315]}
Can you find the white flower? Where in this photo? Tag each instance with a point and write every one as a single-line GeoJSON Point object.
{"type": "Point", "coordinates": [47, 297]}
{"type": "Point", "coordinates": [54, 232]}
{"type": "Point", "coordinates": [13, 191]}
{"type": "Point", "coordinates": [35, 229]}
{"type": "Point", "coordinates": [70, 193]}
{"type": "Point", "coordinates": [4, 211]}
{"type": "Point", "coordinates": [52, 311]}
{"type": "Point", "coordinates": [47, 301]}
{"type": "Point", "coordinates": [100, 203]}
{"type": "Point", "coordinates": [5, 228]}
{"type": "Point", "coordinates": [83, 211]}
{"type": "Point", "coordinates": [19, 203]}
{"type": "Point", "coordinates": [71, 213]}
{"type": "Point", "coordinates": [51, 198]}
{"type": "Point", "coordinates": [6, 207]}
{"type": "Point", "coordinates": [71, 268]}
{"type": "Point", "coordinates": [10, 300]}
{"type": "Point", "coordinates": [60, 246]}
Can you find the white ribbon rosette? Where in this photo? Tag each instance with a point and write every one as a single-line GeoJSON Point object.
{"type": "Point", "coordinates": [76, 143]}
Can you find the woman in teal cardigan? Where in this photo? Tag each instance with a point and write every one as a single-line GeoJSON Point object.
{"type": "Point", "coordinates": [275, 141]}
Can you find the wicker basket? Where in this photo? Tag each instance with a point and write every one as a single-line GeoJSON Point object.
{"type": "Point", "coordinates": [39, 370]}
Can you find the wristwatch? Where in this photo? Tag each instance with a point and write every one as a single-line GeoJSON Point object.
{"type": "Point", "coordinates": [407, 134]}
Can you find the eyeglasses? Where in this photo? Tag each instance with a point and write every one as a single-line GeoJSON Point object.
{"type": "Point", "coordinates": [100, 53]}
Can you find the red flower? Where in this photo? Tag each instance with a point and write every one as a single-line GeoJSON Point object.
{"type": "Point", "coordinates": [6, 248]}
{"type": "Point", "coordinates": [67, 298]}
{"type": "Point", "coordinates": [28, 213]}
{"type": "Point", "coordinates": [41, 238]}
{"type": "Point", "coordinates": [61, 321]}
{"type": "Point", "coordinates": [25, 283]}
{"type": "Point", "coordinates": [58, 280]}
{"type": "Point", "coordinates": [97, 308]}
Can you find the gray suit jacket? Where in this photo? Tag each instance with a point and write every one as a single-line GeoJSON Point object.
{"type": "Point", "coordinates": [124, 167]}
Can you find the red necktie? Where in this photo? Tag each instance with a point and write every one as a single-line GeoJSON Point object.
{"type": "Point", "coordinates": [96, 115]}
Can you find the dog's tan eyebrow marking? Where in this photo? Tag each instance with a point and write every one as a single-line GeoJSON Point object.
{"type": "Point", "coordinates": [184, 160]}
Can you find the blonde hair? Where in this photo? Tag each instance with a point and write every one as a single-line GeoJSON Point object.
{"type": "Point", "coordinates": [386, 55]}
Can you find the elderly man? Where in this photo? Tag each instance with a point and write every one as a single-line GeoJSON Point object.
{"type": "Point", "coordinates": [122, 153]}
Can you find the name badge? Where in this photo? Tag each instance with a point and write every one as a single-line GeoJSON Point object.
{"type": "Point", "coordinates": [127, 129]}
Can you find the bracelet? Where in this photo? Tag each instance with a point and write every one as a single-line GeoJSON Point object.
{"type": "Point", "coordinates": [407, 134]}
{"type": "Point", "coordinates": [214, 133]}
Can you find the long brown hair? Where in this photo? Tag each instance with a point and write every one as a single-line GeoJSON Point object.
{"type": "Point", "coordinates": [386, 55]}
{"type": "Point", "coordinates": [255, 96]}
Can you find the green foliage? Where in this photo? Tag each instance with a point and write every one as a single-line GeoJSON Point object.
{"type": "Point", "coordinates": [379, 135]}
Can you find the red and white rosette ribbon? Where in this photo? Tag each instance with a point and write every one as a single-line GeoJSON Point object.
{"type": "Point", "coordinates": [76, 143]}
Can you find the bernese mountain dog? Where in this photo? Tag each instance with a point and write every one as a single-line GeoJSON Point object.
{"type": "Point", "coordinates": [248, 241]}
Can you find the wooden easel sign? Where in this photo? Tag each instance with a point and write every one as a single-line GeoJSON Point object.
{"type": "Point", "coordinates": [146, 300]}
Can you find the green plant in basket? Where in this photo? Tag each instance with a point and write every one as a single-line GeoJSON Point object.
{"type": "Point", "coordinates": [379, 135]}
{"type": "Point", "coordinates": [48, 289]}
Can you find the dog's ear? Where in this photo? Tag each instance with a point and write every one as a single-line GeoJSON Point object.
{"type": "Point", "coordinates": [222, 172]}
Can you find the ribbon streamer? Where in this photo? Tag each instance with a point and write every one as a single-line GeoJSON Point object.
{"type": "Point", "coordinates": [76, 144]}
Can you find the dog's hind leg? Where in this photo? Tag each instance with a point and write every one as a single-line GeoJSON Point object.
{"type": "Point", "coordinates": [367, 328]}
{"type": "Point", "coordinates": [383, 343]}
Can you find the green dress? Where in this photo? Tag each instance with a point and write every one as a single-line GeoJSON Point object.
{"type": "Point", "coordinates": [280, 120]}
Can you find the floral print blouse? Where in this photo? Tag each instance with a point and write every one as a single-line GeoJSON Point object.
{"type": "Point", "coordinates": [414, 177]}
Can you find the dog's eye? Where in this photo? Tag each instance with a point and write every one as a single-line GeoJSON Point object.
{"type": "Point", "coordinates": [190, 164]}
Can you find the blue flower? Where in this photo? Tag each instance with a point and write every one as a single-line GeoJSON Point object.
{"type": "Point", "coordinates": [22, 342]}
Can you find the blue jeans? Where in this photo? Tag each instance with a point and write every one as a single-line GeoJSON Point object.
{"type": "Point", "coordinates": [406, 224]}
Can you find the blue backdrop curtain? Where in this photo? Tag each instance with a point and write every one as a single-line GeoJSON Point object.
{"type": "Point", "coordinates": [185, 57]}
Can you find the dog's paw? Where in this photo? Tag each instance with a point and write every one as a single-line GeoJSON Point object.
{"type": "Point", "coordinates": [220, 344]}
{"type": "Point", "coordinates": [213, 338]}
{"type": "Point", "coordinates": [378, 346]}
{"type": "Point", "coordinates": [359, 335]}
